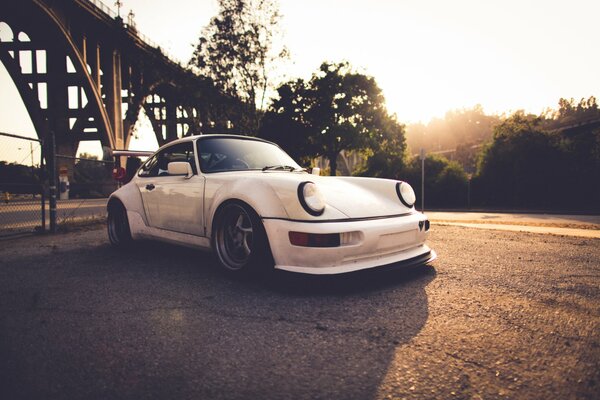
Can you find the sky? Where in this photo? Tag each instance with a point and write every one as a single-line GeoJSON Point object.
{"type": "Point", "coordinates": [428, 56]}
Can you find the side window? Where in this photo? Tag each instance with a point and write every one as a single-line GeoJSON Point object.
{"type": "Point", "coordinates": [150, 167]}
{"type": "Point", "coordinates": [157, 165]}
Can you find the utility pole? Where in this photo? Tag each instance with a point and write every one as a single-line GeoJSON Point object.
{"type": "Point", "coordinates": [422, 156]}
{"type": "Point", "coordinates": [53, 180]}
{"type": "Point", "coordinates": [469, 176]}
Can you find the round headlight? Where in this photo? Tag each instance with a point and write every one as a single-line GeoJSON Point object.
{"type": "Point", "coordinates": [311, 198]}
{"type": "Point", "coordinates": [406, 194]}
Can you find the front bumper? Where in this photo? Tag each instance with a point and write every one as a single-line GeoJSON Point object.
{"type": "Point", "coordinates": [364, 244]}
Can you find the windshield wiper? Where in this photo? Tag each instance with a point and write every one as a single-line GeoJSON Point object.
{"type": "Point", "coordinates": [280, 167]}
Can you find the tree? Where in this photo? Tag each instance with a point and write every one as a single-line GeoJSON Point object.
{"type": "Point", "coordinates": [388, 154]}
{"type": "Point", "coordinates": [236, 50]}
{"type": "Point", "coordinates": [571, 113]}
{"type": "Point", "coordinates": [445, 181]}
{"type": "Point", "coordinates": [338, 109]}
{"type": "Point", "coordinates": [522, 165]}
{"type": "Point", "coordinates": [17, 173]}
{"type": "Point", "coordinates": [538, 162]}
{"type": "Point", "coordinates": [91, 178]}
{"type": "Point", "coordinates": [286, 124]}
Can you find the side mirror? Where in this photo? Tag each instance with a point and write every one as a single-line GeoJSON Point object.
{"type": "Point", "coordinates": [316, 171]}
{"type": "Point", "coordinates": [180, 168]}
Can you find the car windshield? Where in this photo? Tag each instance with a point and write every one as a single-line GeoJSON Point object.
{"type": "Point", "coordinates": [234, 154]}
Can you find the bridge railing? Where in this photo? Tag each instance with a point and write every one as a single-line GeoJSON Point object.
{"type": "Point", "coordinates": [108, 11]}
{"type": "Point", "coordinates": [104, 8]}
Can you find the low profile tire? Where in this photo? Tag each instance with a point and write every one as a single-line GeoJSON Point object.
{"type": "Point", "coordinates": [240, 241]}
{"type": "Point", "coordinates": [117, 223]}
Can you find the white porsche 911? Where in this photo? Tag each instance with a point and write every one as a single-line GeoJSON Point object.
{"type": "Point", "coordinates": [249, 202]}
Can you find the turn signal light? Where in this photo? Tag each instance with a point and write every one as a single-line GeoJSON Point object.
{"type": "Point", "coordinates": [314, 239]}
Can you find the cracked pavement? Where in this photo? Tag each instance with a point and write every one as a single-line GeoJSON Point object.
{"type": "Point", "coordinates": [498, 315]}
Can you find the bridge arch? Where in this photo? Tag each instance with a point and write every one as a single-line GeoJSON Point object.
{"type": "Point", "coordinates": [90, 75]}
{"type": "Point", "coordinates": [53, 78]}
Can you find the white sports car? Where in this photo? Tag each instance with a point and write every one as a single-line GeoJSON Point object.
{"type": "Point", "coordinates": [249, 202]}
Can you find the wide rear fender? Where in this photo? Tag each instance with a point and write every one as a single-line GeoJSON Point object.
{"type": "Point", "coordinates": [129, 195]}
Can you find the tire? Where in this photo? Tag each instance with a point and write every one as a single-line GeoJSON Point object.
{"type": "Point", "coordinates": [240, 241]}
{"type": "Point", "coordinates": [117, 223]}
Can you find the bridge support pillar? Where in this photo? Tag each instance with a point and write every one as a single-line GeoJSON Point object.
{"type": "Point", "coordinates": [58, 106]}
{"type": "Point", "coordinates": [171, 121]}
{"type": "Point", "coordinates": [112, 90]}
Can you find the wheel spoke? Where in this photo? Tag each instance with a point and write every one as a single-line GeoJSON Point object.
{"type": "Point", "coordinates": [245, 245]}
{"type": "Point", "coordinates": [235, 241]}
{"type": "Point", "coordinates": [240, 221]}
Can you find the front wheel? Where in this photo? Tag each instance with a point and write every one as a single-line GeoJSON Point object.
{"type": "Point", "coordinates": [117, 223]}
{"type": "Point", "coordinates": [240, 241]}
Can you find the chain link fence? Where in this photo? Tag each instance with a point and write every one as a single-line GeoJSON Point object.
{"type": "Point", "coordinates": [84, 185]}
{"type": "Point", "coordinates": [22, 189]}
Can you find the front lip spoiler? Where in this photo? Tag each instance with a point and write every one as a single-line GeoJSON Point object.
{"type": "Point", "coordinates": [417, 261]}
{"type": "Point", "coordinates": [423, 259]}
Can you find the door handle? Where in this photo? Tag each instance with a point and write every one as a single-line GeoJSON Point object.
{"type": "Point", "coordinates": [150, 186]}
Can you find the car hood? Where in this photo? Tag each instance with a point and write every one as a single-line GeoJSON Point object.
{"type": "Point", "coordinates": [346, 197]}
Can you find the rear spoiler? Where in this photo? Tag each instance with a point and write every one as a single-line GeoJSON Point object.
{"type": "Point", "coordinates": [124, 175]}
{"type": "Point", "coordinates": [132, 153]}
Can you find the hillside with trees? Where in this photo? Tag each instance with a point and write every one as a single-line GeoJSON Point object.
{"type": "Point", "coordinates": [550, 161]}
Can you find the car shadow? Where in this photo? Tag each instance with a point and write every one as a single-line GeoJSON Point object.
{"type": "Point", "coordinates": [288, 335]}
{"type": "Point", "coordinates": [344, 284]}
{"type": "Point", "coordinates": [160, 321]}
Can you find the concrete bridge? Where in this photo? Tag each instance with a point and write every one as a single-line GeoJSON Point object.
{"type": "Point", "coordinates": [84, 73]}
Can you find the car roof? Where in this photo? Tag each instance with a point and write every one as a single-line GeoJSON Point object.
{"type": "Point", "coordinates": [215, 135]}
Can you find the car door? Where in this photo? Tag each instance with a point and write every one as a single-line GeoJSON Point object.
{"type": "Point", "coordinates": [173, 203]}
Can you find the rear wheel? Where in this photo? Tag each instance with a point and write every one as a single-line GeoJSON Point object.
{"type": "Point", "coordinates": [240, 241]}
{"type": "Point", "coordinates": [119, 233]}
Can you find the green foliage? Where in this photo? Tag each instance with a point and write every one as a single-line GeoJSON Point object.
{"type": "Point", "coordinates": [387, 159]}
{"type": "Point", "coordinates": [445, 181]}
{"type": "Point", "coordinates": [286, 124]}
{"type": "Point", "coordinates": [527, 166]}
{"type": "Point", "coordinates": [17, 178]}
{"type": "Point", "coordinates": [571, 112]}
{"type": "Point", "coordinates": [236, 50]}
{"type": "Point", "coordinates": [17, 173]}
{"type": "Point", "coordinates": [338, 109]}
{"type": "Point", "coordinates": [91, 178]}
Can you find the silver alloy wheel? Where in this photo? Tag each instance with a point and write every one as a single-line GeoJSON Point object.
{"type": "Point", "coordinates": [234, 239]}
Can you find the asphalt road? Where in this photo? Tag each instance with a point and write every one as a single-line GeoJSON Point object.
{"type": "Point", "coordinates": [499, 315]}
